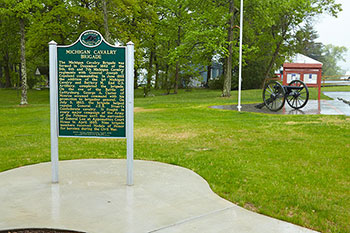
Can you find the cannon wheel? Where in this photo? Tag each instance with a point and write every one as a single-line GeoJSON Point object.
{"type": "Point", "coordinates": [274, 96]}
{"type": "Point", "coordinates": [297, 98]}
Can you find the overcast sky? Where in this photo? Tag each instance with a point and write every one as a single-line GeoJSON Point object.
{"type": "Point", "coordinates": [336, 31]}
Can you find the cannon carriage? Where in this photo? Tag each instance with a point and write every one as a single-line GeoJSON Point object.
{"type": "Point", "coordinates": [275, 95]}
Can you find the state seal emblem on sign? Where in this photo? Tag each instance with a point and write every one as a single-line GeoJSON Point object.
{"type": "Point", "coordinates": [91, 38]}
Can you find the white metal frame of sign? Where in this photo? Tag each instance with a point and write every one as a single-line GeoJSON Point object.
{"type": "Point", "coordinates": [129, 110]}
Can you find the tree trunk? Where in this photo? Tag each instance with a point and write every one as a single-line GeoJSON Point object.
{"type": "Point", "coordinates": [23, 64]}
{"type": "Point", "coordinates": [135, 79]}
{"type": "Point", "coordinates": [156, 85]}
{"type": "Point", "coordinates": [176, 85]}
{"type": "Point", "coordinates": [208, 76]}
{"type": "Point", "coordinates": [149, 73]}
{"type": "Point", "coordinates": [177, 72]}
{"type": "Point", "coordinates": [105, 21]}
{"type": "Point", "coordinates": [167, 83]}
{"type": "Point", "coordinates": [276, 52]}
{"type": "Point", "coordinates": [226, 92]}
{"type": "Point", "coordinates": [7, 70]}
{"type": "Point", "coordinates": [273, 59]}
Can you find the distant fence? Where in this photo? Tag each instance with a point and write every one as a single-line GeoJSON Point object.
{"type": "Point", "coordinates": [334, 78]}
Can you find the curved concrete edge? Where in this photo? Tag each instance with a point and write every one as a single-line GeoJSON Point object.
{"type": "Point", "coordinates": [92, 196]}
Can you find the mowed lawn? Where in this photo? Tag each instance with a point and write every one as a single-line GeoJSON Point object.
{"type": "Point", "coordinates": [292, 167]}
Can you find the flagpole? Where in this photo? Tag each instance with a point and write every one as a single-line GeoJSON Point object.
{"type": "Point", "coordinates": [240, 58]}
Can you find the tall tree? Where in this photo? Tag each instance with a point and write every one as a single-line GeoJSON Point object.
{"type": "Point", "coordinates": [22, 12]}
{"type": "Point", "coordinates": [23, 62]}
{"type": "Point", "coordinates": [205, 36]}
{"type": "Point", "coordinates": [305, 42]}
{"type": "Point", "coordinates": [331, 56]}
{"type": "Point", "coordinates": [175, 17]}
{"type": "Point", "coordinates": [272, 26]}
{"type": "Point", "coordinates": [105, 21]}
{"type": "Point", "coordinates": [226, 92]}
{"type": "Point", "coordinates": [9, 47]}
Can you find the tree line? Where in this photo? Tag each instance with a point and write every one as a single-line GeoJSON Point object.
{"type": "Point", "coordinates": [174, 39]}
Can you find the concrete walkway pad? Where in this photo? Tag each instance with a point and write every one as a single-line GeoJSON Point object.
{"type": "Point", "coordinates": [313, 107]}
{"type": "Point", "coordinates": [92, 196]}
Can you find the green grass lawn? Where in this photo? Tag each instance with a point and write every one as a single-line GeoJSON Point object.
{"type": "Point", "coordinates": [292, 167]}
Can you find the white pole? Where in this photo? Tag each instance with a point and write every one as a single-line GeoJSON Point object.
{"type": "Point", "coordinates": [240, 58]}
{"type": "Point", "coordinates": [53, 110]}
{"type": "Point", "coordinates": [130, 113]}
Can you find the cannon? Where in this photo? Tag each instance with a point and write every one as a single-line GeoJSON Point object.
{"type": "Point", "coordinates": [275, 95]}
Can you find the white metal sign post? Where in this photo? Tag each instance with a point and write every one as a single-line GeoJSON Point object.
{"type": "Point", "coordinates": [91, 93]}
{"type": "Point", "coordinates": [130, 113]}
{"type": "Point", "coordinates": [53, 110]}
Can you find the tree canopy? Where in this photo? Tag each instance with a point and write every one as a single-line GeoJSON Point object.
{"type": "Point", "coordinates": [175, 40]}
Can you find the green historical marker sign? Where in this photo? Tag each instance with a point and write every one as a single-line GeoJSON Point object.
{"type": "Point", "coordinates": [92, 93]}
{"type": "Point", "coordinates": [91, 88]}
